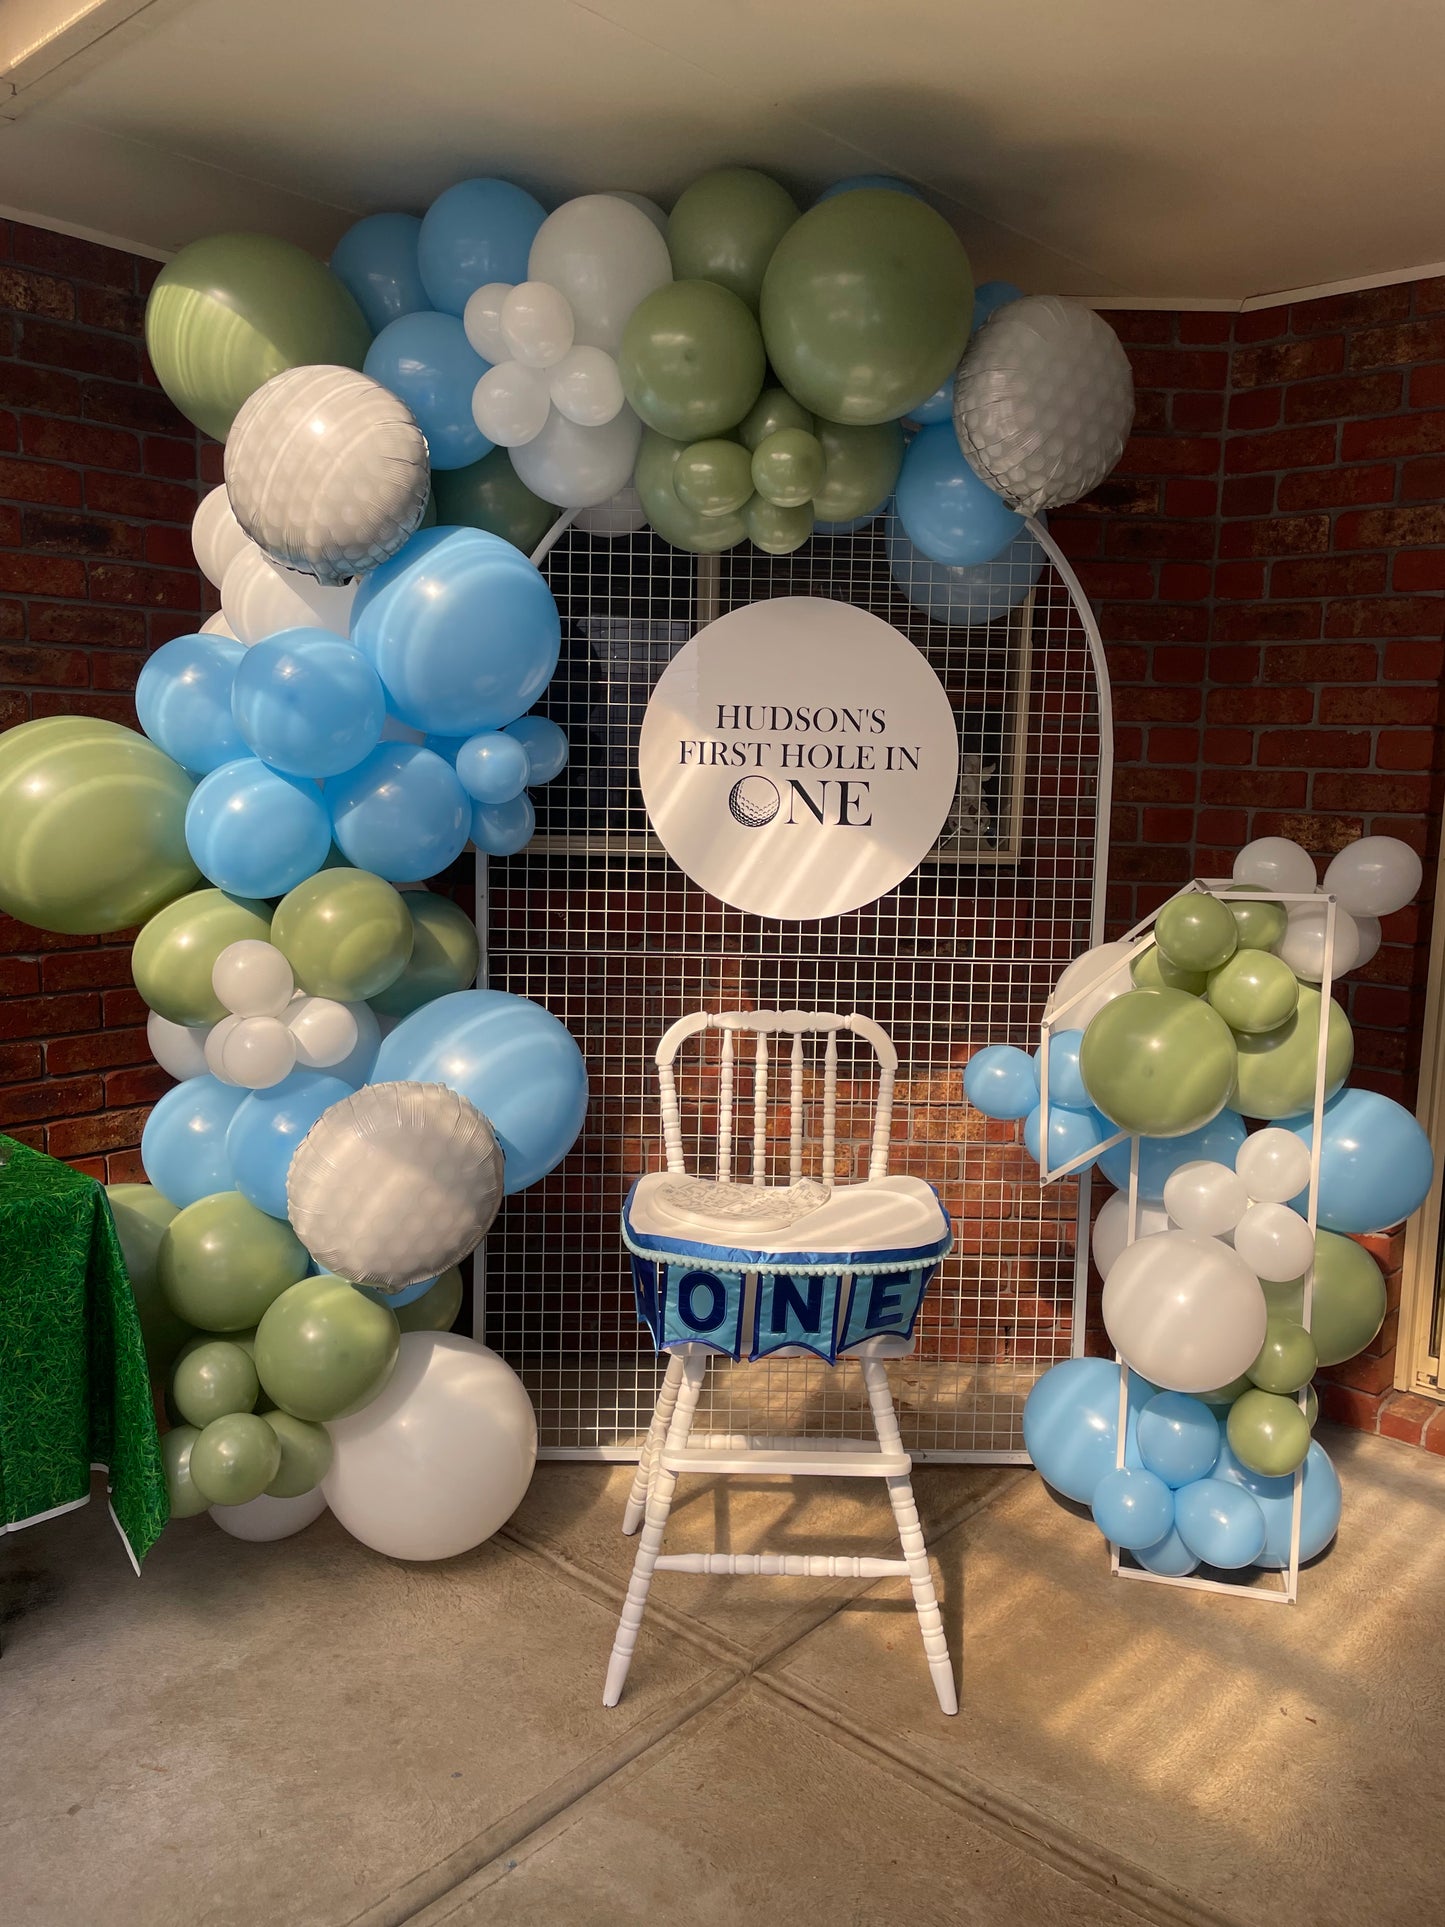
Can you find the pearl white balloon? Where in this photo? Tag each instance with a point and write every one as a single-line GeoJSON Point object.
{"type": "Point", "coordinates": [1274, 1242]}
{"type": "Point", "coordinates": [260, 599]}
{"type": "Point", "coordinates": [1303, 944]}
{"type": "Point", "coordinates": [606, 256]}
{"type": "Point", "coordinates": [620, 514]}
{"type": "Point", "coordinates": [440, 1458]}
{"type": "Point", "coordinates": [325, 1032]}
{"type": "Point", "coordinates": [510, 403]}
{"type": "Point", "coordinates": [578, 467]}
{"type": "Point", "coordinates": [258, 1053]}
{"type": "Point", "coordinates": [216, 536]}
{"type": "Point", "coordinates": [217, 625]}
{"type": "Point", "coordinates": [177, 1048]}
{"type": "Point", "coordinates": [1370, 935]}
{"type": "Point", "coordinates": [253, 979]}
{"type": "Point", "coordinates": [266, 1518]}
{"type": "Point", "coordinates": [586, 387]}
{"type": "Point", "coordinates": [537, 324]}
{"type": "Point", "coordinates": [1375, 876]}
{"type": "Point", "coordinates": [216, 1038]}
{"type": "Point", "coordinates": [1103, 972]}
{"type": "Point", "coordinates": [1184, 1311]}
{"type": "Point", "coordinates": [1273, 1165]}
{"type": "Point", "coordinates": [1111, 1228]}
{"type": "Point", "coordinates": [482, 320]}
{"type": "Point", "coordinates": [1274, 863]}
{"type": "Point", "coordinates": [1204, 1196]}
{"type": "Point", "coordinates": [657, 215]}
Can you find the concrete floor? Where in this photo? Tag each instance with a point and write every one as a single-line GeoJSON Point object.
{"type": "Point", "coordinates": [306, 1733]}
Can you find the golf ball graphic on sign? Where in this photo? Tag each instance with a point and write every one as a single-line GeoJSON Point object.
{"type": "Point", "coordinates": [753, 801]}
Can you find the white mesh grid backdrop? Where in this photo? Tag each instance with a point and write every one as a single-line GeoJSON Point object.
{"type": "Point", "coordinates": [597, 924]}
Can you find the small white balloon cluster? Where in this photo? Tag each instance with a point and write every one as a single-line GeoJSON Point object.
{"type": "Point", "coordinates": [271, 1027]}
{"type": "Point", "coordinates": [1369, 879]}
{"type": "Point", "coordinates": [528, 333]}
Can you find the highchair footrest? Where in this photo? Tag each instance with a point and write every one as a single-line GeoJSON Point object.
{"type": "Point", "coordinates": [804, 1460]}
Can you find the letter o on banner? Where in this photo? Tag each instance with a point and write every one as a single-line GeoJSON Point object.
{"type": "Point", "coordinates": [695, 1316]}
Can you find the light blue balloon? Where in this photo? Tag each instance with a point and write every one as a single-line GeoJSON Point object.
{"type": "Point", "coordinates": [1160, 1157]}
{"type": "Point", "coordinates": [969, 597]}
{"type": "Point", "coordinates": [508, 1057]}
{"type": "Point", "coordinates": [501, 829]}
{"type": "Point", "coordinates": [1170, 1556]}
{"type": "Point", "coordinates": [1071, 1134]}
{"type": "Point", "coordinates": [1376, 1165]}
{"type": "Point", "coordinates": [1320, 1502]}
{"type": "Point", "coordinates": [476, 232]}
{"type": "Point", "coordinates": [401, 813]}
{"type": "Point", "coordinates": [1179, 1438]}
{"type": "Point", "coordinates": [447, 747]}
{"type": "Point", "coordinates": [1220, 1522]}
{"type": "Point", "coordinates": [546, 745]}
{"type": "Point", "coordinates": [946, 510]}
{"type": "Point", "coordinates": [183, 700]}
{"type": "Point", "coordinates": [855, 181]}
{"type": "Point", "coordinates": [461, 628]}
{"type": "Point", "coordinates": [493, 768]}
{"type": "Point", "coordinates": [427, 361]}
{"type": "Point", "coordinates": [988, 298]}
{"type": "Point", "coordinates": [376, 261]}
{"type": "Point", "coordinates": [1001, 1081]}
{"type": "Point", "coordinates": [183, 1145]}
{"type": "Point", "coordinates": [1133, 1508]}
{"type": "Point", "coordinates": [1066, 1083]}
{"type": "Point", "coordinates": [1071, 1424]}
{"type": "Point", "coordinates": [308, 703]}
{"type": "Point", "coordinates": [266, 1129]}
{"type": "Point", "coordinates": [255, 832]}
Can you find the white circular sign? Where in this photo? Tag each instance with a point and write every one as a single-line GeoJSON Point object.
{"type": "Point", "coordinates": [798, 758]}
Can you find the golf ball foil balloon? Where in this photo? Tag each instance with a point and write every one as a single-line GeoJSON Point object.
{"type": "Point", "coordinates": [327, 471]}
{"type": "Point", "coordinates": [1043, 402]}
{"type": "Point", "coordinates": [395, 1183]}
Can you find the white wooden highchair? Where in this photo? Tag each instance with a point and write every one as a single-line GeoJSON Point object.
{"type": "Point", "coordinates": [812, 1267]}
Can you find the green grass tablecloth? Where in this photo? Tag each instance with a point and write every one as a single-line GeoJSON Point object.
{"type": "Point", "coordinates": [74, 1391]}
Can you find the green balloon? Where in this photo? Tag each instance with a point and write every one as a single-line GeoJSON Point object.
{"type": "Point", "coordinates": [788, 468]}
{"type": "Point", "coordinates": [174, 954]}
{"type": "Point", "coordinates": [1259, 925]}
{"type": "Point", "coordinates": [1152, 970]}
{"type": "Point", "coordinates": [324, 1349]}
{"type": "Point", "coordinates": [185, 1501]}
{"type": "Point", "coordinates": [491, 495]}
{"type": "Point", "coordinates": [692, 360]}
{"type": "Point", "coordinates": [1287, 1358]}
{"type": "Point", "coordinates": [94, 817]}
{"type": "Point", "coordinates": [305, 1455]}
{"type": "Point", "coordinates": [774, 409]}
{"type": "Point", "coordinates": [1347, 1302]}
{"type": "Point", "coordinates": [436, 1310]}
{"type": "Point", "coordinates": [1267, 1433]}
{"type": "Point", "coordinates": [1158, 1062]}
{"type": "Point", "coordinates": [1276, 1076]}
{"type": "Point", "coordinates": [141, 1215]}
{"type": "Point", "coordinates": [231, 311]}
{"type": "Point", "coordinates": [1254, 991]}
{"type": "Point", "coordinates": [1196, 931]}
{"type": "Point", "coordinates": [657, 460]}
{"type": "Point", "coordinates": [212, 1379]}
{"type": "Point", "coordinates": [345, 933]}
{"type": "Point", "coordinates": [713, 477]}
{"type": "Point", "coordinates": [222, 1262]}
{"type": "Point", "coordinates": [860, 469]}
{"type": "Point", "coordinates": [867, 305]}
{"type": "Point", "coordinates": [774, 530]}
{"type": "Point", "coordinates": [444, 956]}
{"type": "Point", "coordinates": [235, 1459]}
{"type": "Point", "coordinates": [1312, 1407]}
{"type": "Point", "coordinates": [725, 227]}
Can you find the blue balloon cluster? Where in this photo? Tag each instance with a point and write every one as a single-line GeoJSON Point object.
{"type": "Point", "coordinates": [1006, 1083]}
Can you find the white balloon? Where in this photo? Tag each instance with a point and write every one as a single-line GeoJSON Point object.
{"type": "Point", "coordinates": [620, 514]}
{"type": "Point", "coordinates": [1303, 944]}
{"type": "Point", "coordinates": [537, 324]}
{"type": "Point", "coordinates": [657, 215]}
{"type": "Point", "coordinates": [586, 387]}
{"type": "Point", "coordinates": [1111, 1228]}
{"type": "Point", "coordinates": [1184, 1311]}
{"type": "Point", "coordinates": [327, 471]}
{"type": "Point", "coordinates": [1375, 876]}
{"type": "Point", "coordinates": [482, 320]}
{"type": "Point", "coordinates": [258, 1053]}
{"type": "Point", "coordinates": [252, 978]}
{"type": "Point", "coordinates": [1274, 1165]}
{"type": "Point", "coordinates": [578, 467]}
{"type": "Point", "coordinates": [1275, 1242]}
{"type": "Point", "coordinates": [510, 403]}
{"type": "Point", "coordinates": [266, 1518]}
{"type": "Point", "coordinates": [215, 1049]}
{"type": "Point", "coordinates": [260, 599]}
{"type": "Point", "coordinates": [325, 1032]}
{"type": "Point", "coordinates": [1370, 935]}
{"type": "Point", "coordinates": [217, 625]}
{"type": "Point", "coordinates": [1274, 863]}
{"type": "Point", "coordinates": [440, 1458]}
{"type": "Point", "coordinates": [1207, 1197]}
{"type": "Point", "coordinates": [605, 255]}
{"type": "Point", "coordinates": [1103, 972]}
{"type": "Point", "coordinates": [216, 536]}
{"type": "Point", "coordinates": [177, 1048]}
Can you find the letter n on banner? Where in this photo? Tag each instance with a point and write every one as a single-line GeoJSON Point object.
{"type": "Point", "coordinates": [885, 1305]}
{"type": "Point", "coordinates": [799, 1311]}
{"type": "Point", "coordinates": [702, 1308]}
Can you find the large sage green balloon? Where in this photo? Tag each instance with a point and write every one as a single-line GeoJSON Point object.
{"type": "Point", "coordinates": [92, 826]}
{"type": "Point", "coordinates": [345, 933]}
{"type": "Point", "coordinates": [176, 1445]}
{"type": "Point", "coordinates": [223, 1262]}
{"type": "Point", "coordinates": [676, 523]}
{"type": "Point", "coordinates": [235, 1459]}
{"type": "Point", "coordinates": [1261, 924]}
{"type": "Point", "coordinates": [775, 530]}
{"type": "Point", "coordinates": [436, 1310]}
{"type": "Point", "coordinates": [444, 956]}
{"type": "Point", "coordinates": [725, 227]}
{"type": "Point", "coordinates": [1276, 1076]}
{"type": "Point", "coordinates": [1347, 1303]}
{"type": "Point", "coordinates": [141, 1215]}
{"type": "Point", "coordinates": [1287, 1359]}
{"type": "Point", "coordinates": [860, 469]}
{"type": "Point", "coordinates": [713, 477]}
{"type": "Point", "coordinates": [775, 409]}
{"type": "Point", "coordinates": [172, 958]}
{"type": "Point", "coordinates": [867, 305]}
{"type": "Point", "coordinates": [324, 1349]}
{"type": "Point", "coordinates": [1268, 1433]}
{"type": "Point", "coordinates": [692, 360]}
{"type": "Point", "coordinates": [1196, 931]}
{"type": "Point", "coordinates": [1152, 970]}
{"type": "Point", "coordinates": [229, 312]}
{"type": "Point", "coordinates": [491, 495]}
{"type": "Point", "coordinates": [306, 1454]}
{"type": "Point", "coordinates": [1158, 1062]}
{"type": "Point", "coordinates": [788, 467]}
{"type": "Point", "coordinates": [213, 1378]}
{"type": "Point", "coordinates": [1254, 991]}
